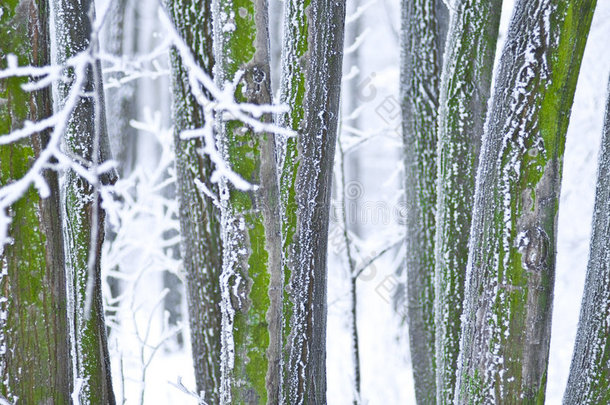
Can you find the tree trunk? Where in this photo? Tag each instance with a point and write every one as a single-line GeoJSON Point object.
{"type": "Point", "coordinates": [464, 92]}
{"type": "Point", "coordinates": [511, 266]}
{"type": "Point", "coordinates": [589, 380]}
{"type": "Point", "coordinates": [86, 139]}
{"type": "Point", "coordinates": [119, 33]}
{"type": "Point", "coordinates": [35, 364]}
{"type": "Point", "coordinates": [251, 279]}
{"type": "Point", "coordinates": [201, 245]}
{"type": "Point", "coordinates": [419, 88]}
{"type": "Point", "coordinates": [121, 41]}
{"type": "Point", "coordinates": [311, 85]}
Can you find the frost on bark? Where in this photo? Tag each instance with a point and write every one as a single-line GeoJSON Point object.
{"type": "Point", "coordinates": [511, 266]}
{"type": "Point", "coordinates": [464, 92]}
{"type": "Point", "coordinates": [419, 92]}
{"type": "Point", "coordinates": [311, 84]}
{"type": "Point", "coordinates": [201, 244]}
{"type": "Point", "coordinates": [251, 277]}
{"type": "Point", "coordinates": [35, 365]}
{"type": "Point", "coordinates": [589, 380]}
{"type": "Point", "coordinates": [86, 141]}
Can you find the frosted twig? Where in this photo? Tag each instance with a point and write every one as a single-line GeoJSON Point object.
{"type": "Point", "coordinates": [10, 193]}
{"type": "Point", "coordinates": [357, 42]}
{"type": "Point", "coordinates": [373, 259]}
{"type": "Point", "coordinates": [224, 100]}
{"type": "Point", "coordinates": [359, 12]}
{"type": "Point", "coordinates": [205, 190]}
{"type": "Point", "coordinates": [179, 385]}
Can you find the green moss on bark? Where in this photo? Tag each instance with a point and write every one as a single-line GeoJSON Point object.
{"type": "Point", "coordinates": [35, 364]}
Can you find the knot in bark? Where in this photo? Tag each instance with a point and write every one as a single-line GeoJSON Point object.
{"type": "Point", "coordinates": [255, 78]}
{"type": "Point", "coordinates": [533, 244]}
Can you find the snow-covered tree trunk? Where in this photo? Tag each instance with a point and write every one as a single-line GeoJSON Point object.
{"type": "Point", "coordinates": [251, 278]}
{"type": "Point", "coordinates": [35, 364]}
{"type": "Point", "coordinates": [86, 141]}
{"type": "Point", "coordinates": [464, 92]}
{"type": "Point", "coordinates": [419, 91]}
{"type": "Point", "coordinates": [201, 244]}
{"type": "Point", "coordinates": [589, 380]}
{"type": "Point", "coordinates": [311, 84]}
{"type": "Point", "coordinates": [511, 265]}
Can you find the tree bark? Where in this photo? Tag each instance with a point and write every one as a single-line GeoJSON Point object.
{"type": "Point", "coordinates": [35, 363]}
{"type": "Point", "coordinates": [311, 85]}
{"type": "Point", "coordinates": [201, 245]}
{"type": "Point", "coordinates": [511, 265]}
{"type": "Point", "coordinates": [419, 87]}
{"type": "Point", "coordinates": [86, 140]}
{"type": "Point", "coordinates": [251, 278]}
{"type": "Point", "coordinates": [464, 92]}
{"type": "Point", "coordinates": [589, 380]}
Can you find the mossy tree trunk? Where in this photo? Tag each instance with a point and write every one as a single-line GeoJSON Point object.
{"type": "Point", "coordinates": [201, 245]}
{"type": "Point", "coordinates": [511, 265]}
{"type": "Point", "coordinates": [421, 52]}
{"type": "Point", "coordinates": [251, 277]}
{"type": "Point", "coordinates": [86, 141]}
{"type": "Point", "coordinates": [589, 379]}
{"type": "Point", "coordinates": [35, 363]}
{"type": "Point", "coordinates": [464, 92]}
{"type": "Point", "coordinates": [311, 83]}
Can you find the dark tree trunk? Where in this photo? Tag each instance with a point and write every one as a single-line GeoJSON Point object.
{"type": "Point", "coordinates": [311, 85]}
{"type": "Point", "coordinates": [86, 140]}
{"type": "Point", "coordinates": [201, 245]}
{"type": "Point", "coordinates": [35, 362]}
{"type": "Point", "coordinates": [421, 53]}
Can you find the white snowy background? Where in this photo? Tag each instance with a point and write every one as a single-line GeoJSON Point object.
{"type": "Point", "coordinates": [149, 364]}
